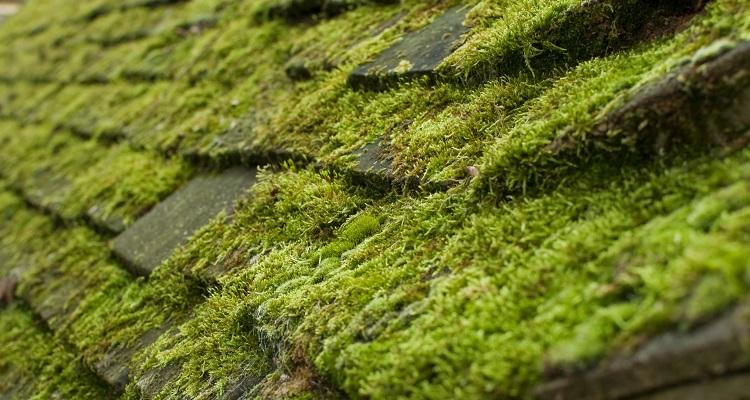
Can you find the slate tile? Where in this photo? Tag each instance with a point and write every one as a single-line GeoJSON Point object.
{"type": "Point", "coordinates": [23, 388]}
{"type": "Point", "coordinates": [47, 190]}
{"type": "Point", "coordinates": [371, 159]}
{"type": "Point", "coordinates": [733, 387]}
{"type": "Point", "coordinates": [373, 164]}
{"type": "Point", "coordinates": [307, 63]}
{"type": "Point", "coordinates": [154, 380]}
{"type": "Point", "coordinates": [303, 68]}
{"type": "Point", "coordinates": [703, 102]}
{"type": "Point", "coordinates": [114, 366]}
{"type": "Point", "coordinates": [53, 296]}
{"type": "Point", "coordinates": [153, 238]}
{"type": "Point", "coordinates": [241, 385]}
{"type": "Point", "coordinates": [417, 54]}
{"type": "Point", "coordinates": [110, 222]}
{"type": "Point", "coordinates": [714, 350]}
{"type": "Point", "coordinates": [710, 95]}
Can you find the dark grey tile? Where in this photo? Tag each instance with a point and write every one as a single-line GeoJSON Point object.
{"type": "Point", "coordinates": [153, 238]}
{"type": "Point", "coordinates": [417, 54]}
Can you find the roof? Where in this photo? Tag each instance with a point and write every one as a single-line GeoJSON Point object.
{"type": "Point", "coordinates": [7, 9]}
{"type": "Point", "coordinates": [307, 199]}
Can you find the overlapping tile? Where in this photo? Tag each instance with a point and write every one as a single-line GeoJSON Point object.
{"type": "Point", "coordinates": [373, 164]}
{"type": "Point", "coordinates": [417, 54]}
{"type": "Point", "coordinates": [673, 359]}
{"type": "Point", "coordinates": [114, 366]}
{"type": "Point", "coordinates": [154, 237]}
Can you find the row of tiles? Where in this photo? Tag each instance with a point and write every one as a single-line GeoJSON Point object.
{"type": "Point", "coordinates": [414, 53]}
{"type": "Point", "coordinates": [653, 367]}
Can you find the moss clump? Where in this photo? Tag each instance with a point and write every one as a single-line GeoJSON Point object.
{"type": "Point", "coordinates": [35, 365]}
{"type": "Point", "coordinates": [530, 153]}
{"type": "Point", "coordinates": [75, 177]}
{"type": "Point", "coordinates": [318, 287]}
{"type": "Point", "coordinates": [352, 234]}
{"type": "Point", "coordinates": [542, 37]}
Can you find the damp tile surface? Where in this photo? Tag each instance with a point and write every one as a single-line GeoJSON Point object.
{"type": "Point", "coordinates": [417, 54]}
{"type": "Point", "coordinates": [666, 361]}
{"type": "Point", "coordinates": [154, 237]}
{"type": "Point", "coordinates": [732, 387]}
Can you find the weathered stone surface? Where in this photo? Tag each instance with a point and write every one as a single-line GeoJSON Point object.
{"type": "Point", "coordinates": [241, 388]}
{"type": "Point", "coordinates": [22, 389]}
{"type": "Point", "coordinates": [711, 76]}
{"type": "Point", "coordinates": [154, 380]}
{"type": "Point", "coordinates": [114, 368]}
{"type": "Point", "coordinates": [52, 295]}
{"type": "Point", "coordinates": [714, 350]}
{"type": "Point", "coordinates": [418, 54]}
{"type": "Point", "coordinates": [370, 159]}
{"type": "Point", "coordinates": [301, 69]}
{"type": "Point", "coordinates": [582, 31]}
{"type": "Point", "coordinates": [703, 102]}
{"type": "Point", "coordinates": [154, 237]}
{"type": "Point", "coordinates": [112, 223]}
{"type": "Point", "coordinates": [734, 387]}
{"type": "Point", "coordinates": [373, 164]}
{"type": "Point", "coordinates": [47, 190]}
{"type": "Point", "coordinates": [305, 64]}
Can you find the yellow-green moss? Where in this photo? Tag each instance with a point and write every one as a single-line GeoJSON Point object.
{"type": "Point", "coordinates": [317, 286]}
{"type": "Point", "coordinates": [35, 365]}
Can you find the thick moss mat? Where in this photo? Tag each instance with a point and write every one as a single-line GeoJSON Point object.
{"type": "Point", "coordinates": [570, 181]}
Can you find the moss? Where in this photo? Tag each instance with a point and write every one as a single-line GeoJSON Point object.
{"type": "Point", "coordinates": [78, 175]}
{"type": "Point", "coordinates": [35, 365]}
{"type": "Point", "coordinates": [544, 36]}
{"type": "Point", "coordinates": [352, 234]}
{"type": "Point", "coordinates": [319, 287]}
{"type": "Point", "coordinates": [356, 318]}
{"type": "Point", "coordinates": [525, 155]}
{"type": "Point", "coordinates": [125, 184]}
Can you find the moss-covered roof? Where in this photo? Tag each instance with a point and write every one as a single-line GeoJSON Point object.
{"type": "Point", "coordinates": [445, 199]}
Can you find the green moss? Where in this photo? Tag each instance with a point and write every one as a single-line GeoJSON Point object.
{"type": "Point", "coordinates": [75, 177]}
{"type": "Point", "coordinates": [315, 286]}
{"type": "Point", "coordinates": [553, 134]}
{"type": "Point", "coordinates": [125, 184]}
{"type": "Point", "coordinates": [542, 37]}
{"type": "Point", "coordinates": [35, 365]}
{"type": "Point", "coordinates": [352, 234]}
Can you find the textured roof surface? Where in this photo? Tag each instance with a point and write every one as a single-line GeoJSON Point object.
{"type": "Point", "coordinates": [303, 199]}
